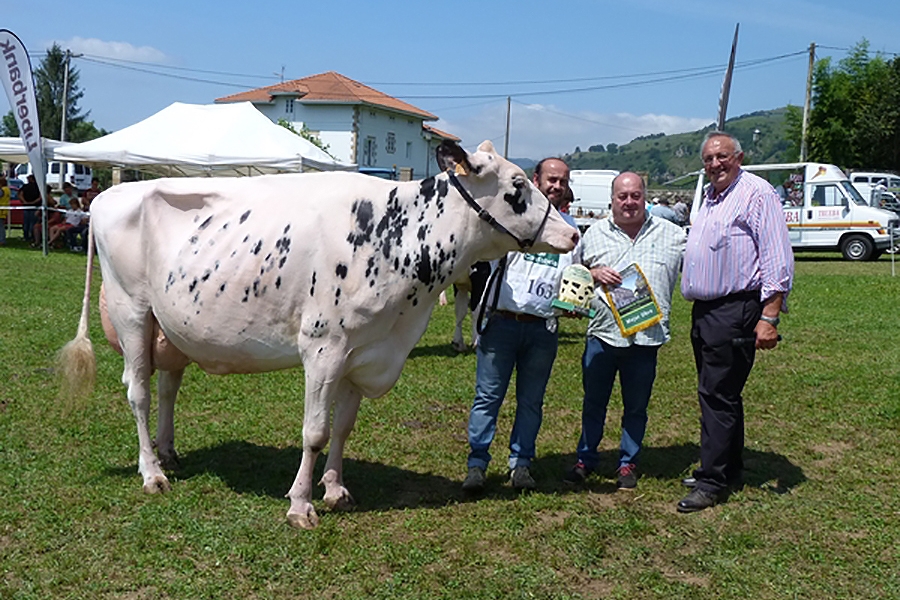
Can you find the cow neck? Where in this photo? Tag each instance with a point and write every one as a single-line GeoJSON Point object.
{"type": "Point", "coordinates": [484, 215]}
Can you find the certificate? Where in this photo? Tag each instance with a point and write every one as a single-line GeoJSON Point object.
{"type": "Point", "coordinates": [632, 302]}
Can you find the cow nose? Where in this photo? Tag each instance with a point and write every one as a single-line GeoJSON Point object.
{"type": "Point", "coordinates": [575, 237]}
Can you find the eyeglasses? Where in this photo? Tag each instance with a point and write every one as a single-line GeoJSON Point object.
{"type": "Point", "coordinates": [721, 157]}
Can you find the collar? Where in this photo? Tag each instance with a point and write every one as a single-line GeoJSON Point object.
{"type": "Point", "coordinates": [713, 198]}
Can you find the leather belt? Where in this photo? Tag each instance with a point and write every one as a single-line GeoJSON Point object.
{"type": "Point", "coordinates": [522, 317]}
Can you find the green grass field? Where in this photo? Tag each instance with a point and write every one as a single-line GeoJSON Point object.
{"type": "Point", "coordinates": [819, 518]}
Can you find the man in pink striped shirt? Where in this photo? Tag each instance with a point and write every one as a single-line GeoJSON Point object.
{"type": "Point", "coordinates": [738, 270]}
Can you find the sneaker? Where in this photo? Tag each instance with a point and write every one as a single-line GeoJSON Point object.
{"type": "Point", "coordinates": [474, 481]}
{"type": "Point", "coordinates": [521, 479]}
{"type": "Point", "coordinates": [626, 477]}
{"type": "Point", "coordinates": [577, 474]}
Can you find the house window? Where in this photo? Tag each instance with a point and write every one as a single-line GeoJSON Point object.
{"type": "Point", "coordinates": [390, 145]}
{"type": "Point", "coordinates": [368, 158]}
{"type": "Point", "coordinates": [391, 117]}
{"type": "Point", "coordinates": [408, 149]}
{"type": "Point", "coordinates": [372, 113]}
{"type": "Point", "coordinates": [289, 106]}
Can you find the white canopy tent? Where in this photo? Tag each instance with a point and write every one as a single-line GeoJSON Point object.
{"type": "Point", "coordinates": [204, 140]}
{"type": "Point", "coordinates": [13, 150]}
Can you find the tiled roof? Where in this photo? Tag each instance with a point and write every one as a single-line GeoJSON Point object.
{"type": "Point", "coordinates": [329, 87]}
{"type": "Point", "coordinates": [439, 133]}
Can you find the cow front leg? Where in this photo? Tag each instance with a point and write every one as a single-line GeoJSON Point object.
{"type": "Point", "coordinates": [337, 497]}
{"type": "Point", "coordinates": [316, 413]}
{"type": "Point", "coordinates": [167, 391]}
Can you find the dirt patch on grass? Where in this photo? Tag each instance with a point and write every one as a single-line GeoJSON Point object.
{"type": "Point", "coordinates": [830, 452]}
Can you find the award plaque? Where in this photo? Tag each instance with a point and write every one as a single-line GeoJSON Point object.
{"type": "Point", "coordinates": [576, 289]}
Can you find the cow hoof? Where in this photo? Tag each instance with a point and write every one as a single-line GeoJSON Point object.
{"type": "Point", "coordinates": [459, 346]}
{"type": "Point", "coordinates": [303, 520]}
{"type": "Point", "coordinates": [342, 501]}
{"type": "Point", "coordinates": [169, 461]}
{"type": "Point", "coordinates": [157, 485]}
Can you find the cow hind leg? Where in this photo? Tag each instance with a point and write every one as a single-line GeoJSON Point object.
{"type": "Point", "coordinates": [461, 307]}
{"type": "Point", "coordinates": [167, 391]}
{"type": "Point", "coordinates": [346, 407]}
{"type": "Point", "coordinates": [137, 378]}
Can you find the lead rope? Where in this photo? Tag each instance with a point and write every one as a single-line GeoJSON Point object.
{"type": "Point", "coordinates": [493, 284]}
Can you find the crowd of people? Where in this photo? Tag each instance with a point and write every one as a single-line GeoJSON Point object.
{"type": "Point", "coordinates": [736, 268]}
{"type": "Point", "coordinates": [68, 216]}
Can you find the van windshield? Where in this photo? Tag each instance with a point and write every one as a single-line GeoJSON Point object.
{"type": "Point", "coordinates": [853, 193]}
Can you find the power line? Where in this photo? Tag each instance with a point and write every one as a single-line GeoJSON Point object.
{"type": "Point", "coordinates": [174, 68]}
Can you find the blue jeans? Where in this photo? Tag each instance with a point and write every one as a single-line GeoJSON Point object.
{"type": "Point", "coordinates": [506, 344]}
{"type": "Point", "coordinates": [636, 366]}
{"type": "Point", "coordinates": [29, 218]}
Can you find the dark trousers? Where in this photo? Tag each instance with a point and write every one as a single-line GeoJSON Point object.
{"type": "Point", "coordinates": [722, 370]}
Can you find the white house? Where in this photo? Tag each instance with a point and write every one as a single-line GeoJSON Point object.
{"type": "Point", "coordinates": [357, 123]}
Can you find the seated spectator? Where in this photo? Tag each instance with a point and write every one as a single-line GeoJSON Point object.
{"type": "Point", "coordinates": [74, 217]}
{"type": "Point", "coordinates": [91, 193]}
{"type": "Point", "coordinates": [68, 194]}
{"type": "Point", "coordinates": [54, 218]}
{"type": "Point", "coordinates": [79, 229]}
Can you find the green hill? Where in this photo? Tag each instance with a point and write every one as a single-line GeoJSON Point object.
{"type": "Point", "coordinates": [665, 157]}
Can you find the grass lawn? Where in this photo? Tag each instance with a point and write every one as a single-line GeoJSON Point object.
{"type": "Point", "coordinates": [819, 517]}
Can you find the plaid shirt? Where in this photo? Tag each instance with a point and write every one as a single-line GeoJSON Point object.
{"type": "Point", "coordinates": [657, 249]}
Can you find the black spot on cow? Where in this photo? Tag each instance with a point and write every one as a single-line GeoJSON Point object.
{"type": "Point", "coordinates": [193, 239]}
{"type": "Point", "coordinates": [406, 260]}
{"type": "Point", "coordinates": [196, 297]}
{"type": "Point", "coordinates": [423, 266]}
{"type": "Point", "coordinates": [287, 228]}
{"type": "Point", "coordinates": [281, 261]}
{"type": "Point", "coordinates": [196, 218]}
{"type": "Point", "coordinates": [452, 238]}
{"type": "Point", "coordinates": [233, 252]}
{"type": "Point", "coordinates": [312, 288]}
{"type": "Point", "coordinates": [278, 282]}
{"type": "Point", "coordinates": [337, 296]}
{"type": "Point", "coordinates": [396, 262]}
{"type": "Point", "coordinates": [423, 230]}
{"type": "Point", "coordinates": [426, 190]}
{"type": "Point", "coordinates": [221, 290]}
{"type": "Point", "coordinates": [205, 223]}
{"type": "Point", "coordinates": [217, 266]}
{"type": "Point", "coordinates": [246, 237]}
{"type": "Point", "coordinates": [225, 226]}
{"type": "Point", "coordinates": [206, 275]}
{"type": "Point", "coordinates": [246, 294]}
{"type": "Point", "coordinates": [257, 247]}
{"type": "Point", "coordinates": [256, 288]}
{"type": "Point", "coordinates": [341, 270]}
{"type": "Point", "coordinates": [365, 213]}
{"type": "Point", "coordinates": [516, 201]}
{"type": "Point", "coordinates": [170, 281]}
{"type": "Point", "coordinates": [192, 285]}
{"type": "Point", "coordinates": [244, 216]}
{"type": "Point", "coordinates": [319, 351]}
{"type": "Point", "coordinates": [442, 187]}
{"type": "Point", "coordinates": [415, 301]}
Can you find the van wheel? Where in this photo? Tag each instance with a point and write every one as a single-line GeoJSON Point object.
{"type": "Point", "coordinates": [857, 247]}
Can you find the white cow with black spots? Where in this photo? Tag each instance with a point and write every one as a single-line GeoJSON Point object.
{"type": "Point", "coordinates": [337, 271]}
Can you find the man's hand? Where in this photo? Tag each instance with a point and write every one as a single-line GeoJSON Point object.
{"type": "Point", "coordinates": [606, 275]}
{"type": "Point", "coordinates": [766, 336]}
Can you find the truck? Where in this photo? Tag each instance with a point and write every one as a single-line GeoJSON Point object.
{"type": "Point", "coordinates": [592, 191]}
{"type": "Point", "coordinates": [823, 211]}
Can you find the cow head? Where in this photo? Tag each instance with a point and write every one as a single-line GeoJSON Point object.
{"type": "Point", "coordinates": [513, 202]}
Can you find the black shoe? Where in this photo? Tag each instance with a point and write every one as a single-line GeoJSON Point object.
{"type": "Point", "coordinates": [689, 482]}
{"type": "Point", "coordinates": [626, 477]}
{"type": "Point", "coordinates": [520, 478]}
{"type": "Point", "coordinates": [577, 474]}
{"type": "Point", "coordinates": [474, 481]}
{"type": "Point", "coordinates": [697, 500]}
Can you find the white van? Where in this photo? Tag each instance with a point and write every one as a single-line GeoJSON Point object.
{"type": "Point", "coordinates": [592, 189]}
{"type": "Point", "coordinates": [79, 175]}
{"type": "Point", "coordinates": [823, 210]}
{"type": "Point", "coordinates": [880, 190]}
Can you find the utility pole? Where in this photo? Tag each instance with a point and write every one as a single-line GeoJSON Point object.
{"type": "Point", "coordinates": [65, 109]}
{"type": "Point", "coordinates": [809, 77]}
{"type": "Point", "coordinates": [506, 141]}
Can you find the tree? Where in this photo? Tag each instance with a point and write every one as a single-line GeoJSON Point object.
{"type": "Point", "coordinates": [855, 118]}
{"type": "Point", "coordinates": [612, 148]}
{"type": "Point", "coordinates": [49, 82]}
{"type": "Point", "coordinates": [597, 148]}
{"type": "Point", "coordinates": [308, 135]}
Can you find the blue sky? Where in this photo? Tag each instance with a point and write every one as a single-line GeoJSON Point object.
{"type": "Point", "coordinates": [663, 56]}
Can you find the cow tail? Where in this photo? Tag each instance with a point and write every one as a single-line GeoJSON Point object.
{"type": "Point", "coordinates": [76, 360]}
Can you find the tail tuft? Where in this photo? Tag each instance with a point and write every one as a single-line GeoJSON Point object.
{"type": "Point", "coordinates": [76, 364]}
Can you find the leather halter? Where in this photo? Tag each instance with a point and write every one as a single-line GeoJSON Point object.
{"type": "Point", "coordinates": [486, 216]}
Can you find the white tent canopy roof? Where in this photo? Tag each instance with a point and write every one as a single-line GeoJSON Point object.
{"type": "Point", "coordinates": [13, 150]}
{"type": "Point", "coordinates": [204, 139]}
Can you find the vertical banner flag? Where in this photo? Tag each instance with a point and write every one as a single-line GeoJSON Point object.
{"type": "Point", "coordinates": [18, 82]}
{"type": "Point", "coordinates": [726, 84]}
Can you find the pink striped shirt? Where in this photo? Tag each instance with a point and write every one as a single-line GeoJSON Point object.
{"type": "Point", "coordinates": [738, 242]}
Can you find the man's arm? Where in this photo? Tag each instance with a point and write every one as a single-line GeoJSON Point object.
{"type": "Point", "coordinates": [767, 332]}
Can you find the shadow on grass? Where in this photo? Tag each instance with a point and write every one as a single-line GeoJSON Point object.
{"type": "Point", "coordinates": [265, 470]}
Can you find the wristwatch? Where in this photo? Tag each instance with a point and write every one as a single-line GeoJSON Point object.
{"type": "Point", "coordinates": [773, 321]}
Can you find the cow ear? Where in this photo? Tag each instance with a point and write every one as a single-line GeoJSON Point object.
{"type": "Point", "coordinates": [451, 157]}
